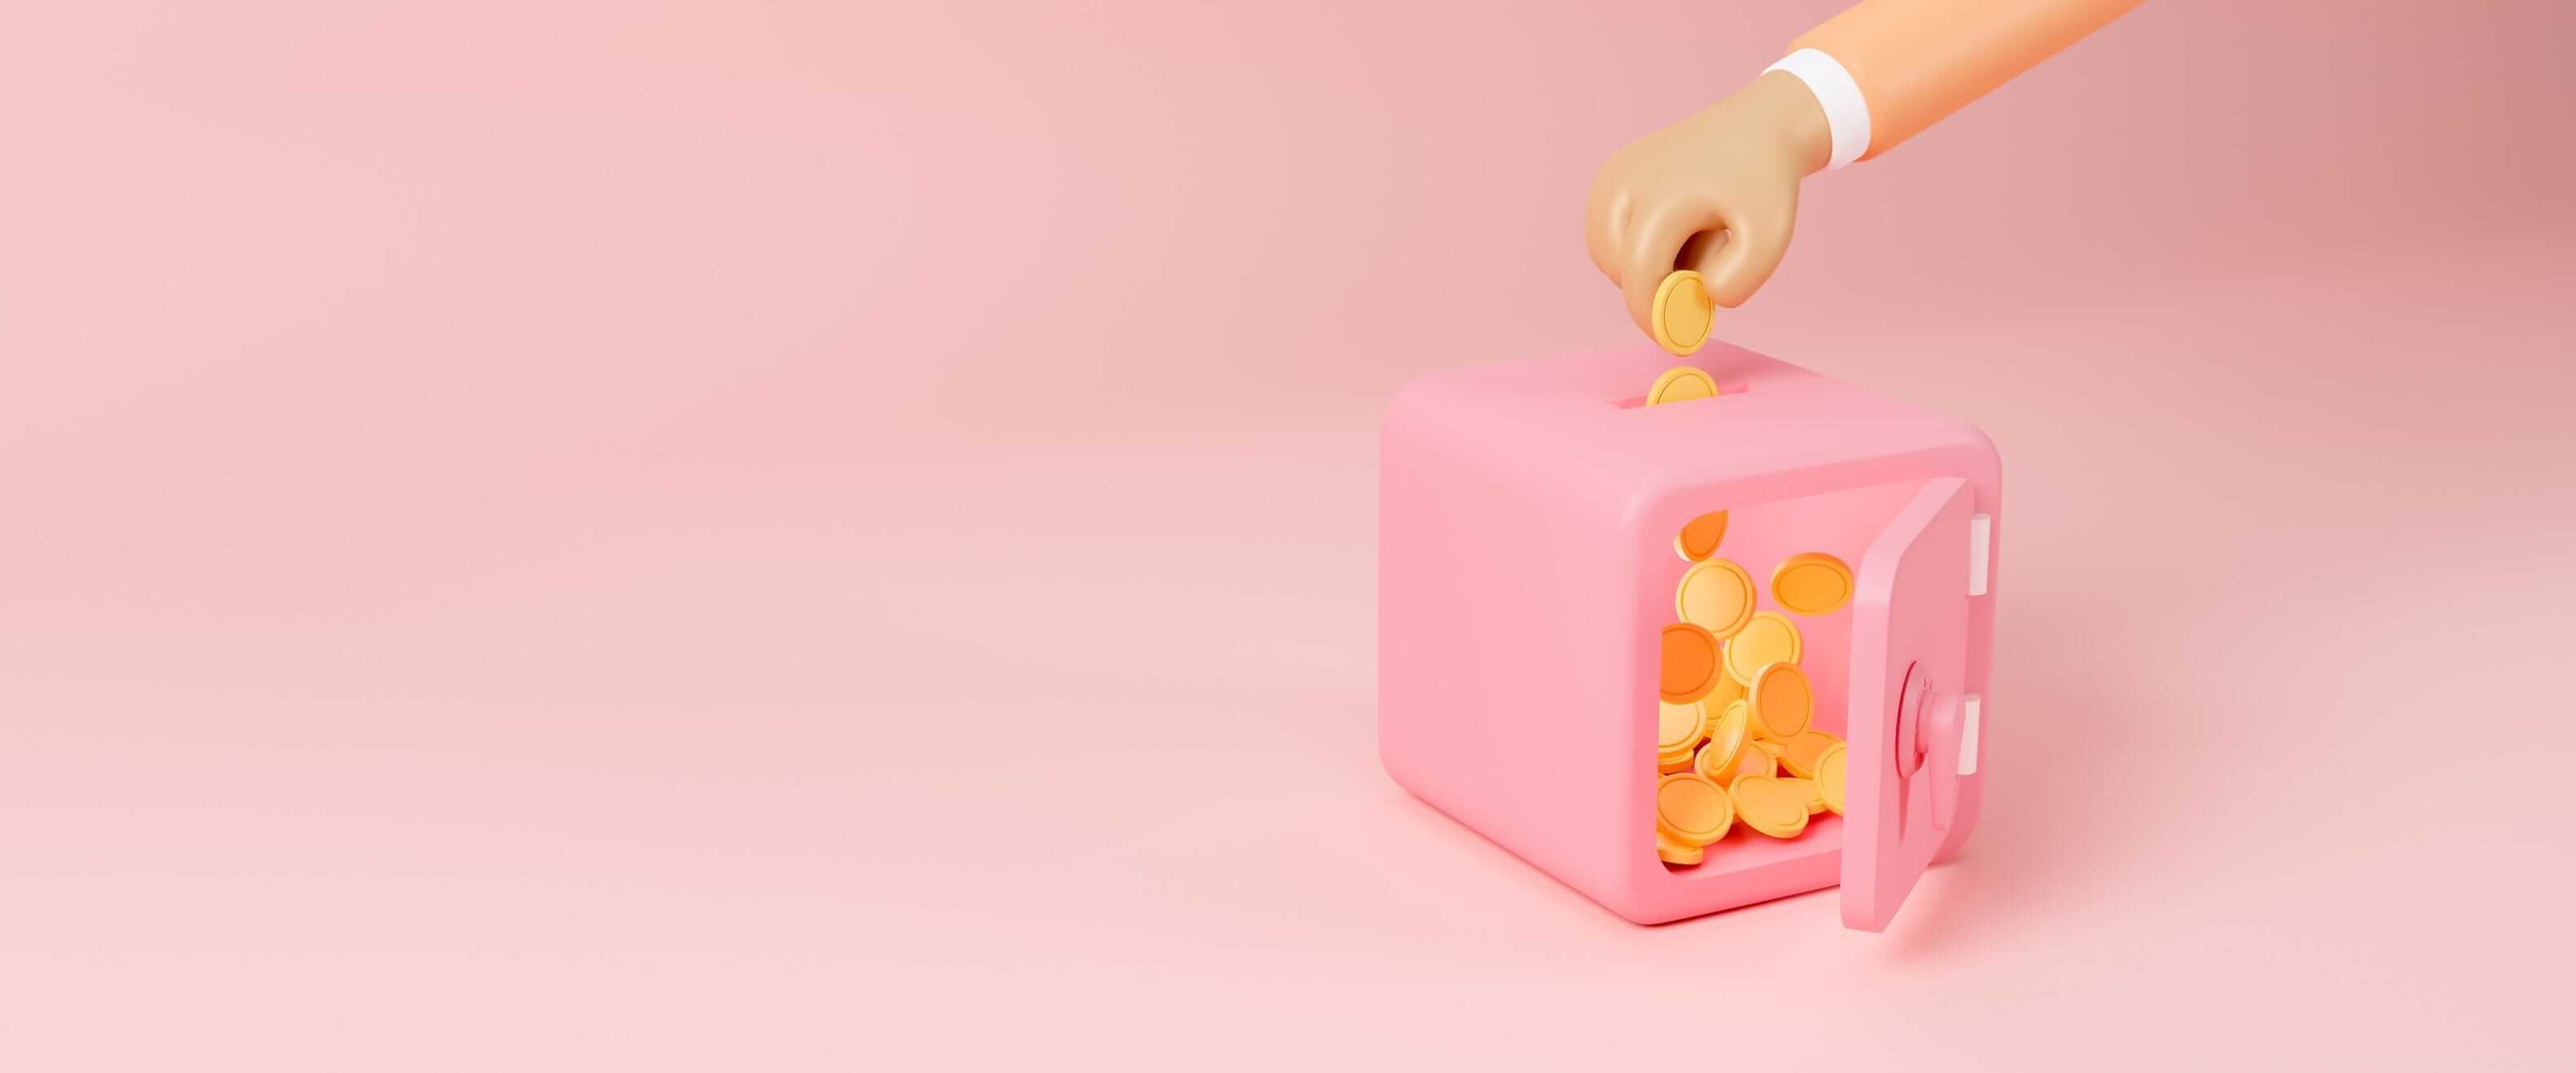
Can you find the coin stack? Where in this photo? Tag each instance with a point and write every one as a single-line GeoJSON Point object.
{"type": "Point", "coordinates": [1735, 704]}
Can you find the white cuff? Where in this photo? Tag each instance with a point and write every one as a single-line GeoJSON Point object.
{"type": "Point", "coordinates": [1846, 114]}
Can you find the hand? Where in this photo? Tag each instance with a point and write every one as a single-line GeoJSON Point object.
{"type": "Point", "coordinates": [1717, 193]}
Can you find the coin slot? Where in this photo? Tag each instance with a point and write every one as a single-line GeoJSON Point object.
{"type": "Point", "coordinates": [1723, 391]}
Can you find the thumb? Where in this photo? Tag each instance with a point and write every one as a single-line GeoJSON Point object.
{"type": "Point", "coordinates": [1650, 257]}
{"type": "Point", "coordinates": [1737, 265]}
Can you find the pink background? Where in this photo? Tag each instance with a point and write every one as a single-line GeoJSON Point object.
{"type": "Point", "coordinates": [624, 535]}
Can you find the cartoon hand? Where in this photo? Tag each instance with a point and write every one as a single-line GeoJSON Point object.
{"type": "Point", "coordinates": [1716, 193]}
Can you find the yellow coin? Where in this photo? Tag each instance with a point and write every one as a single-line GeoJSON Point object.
{"type": "Point", "coordinates": [1723, 689]}
{"type": "Point", "coordinates": [1782, 701]}
{"type": "Point", "coordinates": [1698, 539]}
{"type": "Point", "coordinates": [1751, 761]}
{"type": "Point", "coordinates": [1678, 725]}
{"type": "Point", "coordinates": [1693, 810]}
{"type": "Point", "coordinates": [1811, 583]}
{"type": "Point", "coordinates": [1710, 767]}
{"type": "Point", "coordinates": [1725, 739]}
{"type": "Point", "coordinates": [1674, 764]}
{"type": "Point", "coordinates": [1771, 806]}
{"type": "Point", "coordinates": [1829, 776]}
{"type": "Point", "coordinates": [1675, 852]}
{"type": "Point", "coordinates": [1716, 595]}
{"type": "Point", "coordinates": [1807, 788]}
{"type": "Point", "coordinates": [1803, 750]}
{"type": "Point", "coordinates": [1690, 667]}
{"type": "Point", "coordinates": [1770, 748]}
{"type": "Point", "coordinates": [1681, 383]}
{"type": "Point", "coordinates": [1682, 312]}
{"type": "Point", "coordinates": [1767, 638]}
{"type": "Point", "coordinates": [1683, 750]}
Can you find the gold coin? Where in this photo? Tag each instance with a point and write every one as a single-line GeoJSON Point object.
{"type": "Point", "coordinates": [1678, 725]}
{"type": "Point", "coordinates": [1675, 852]}
{"type": "Point", "coordinates": [1726, 691]}
{"type": "Point", "coordinates": [1709, 766]}
{"type": "Point", "coordinates": [1783, 702]}
{"type": "Point", "coordinates": [1671, 758]}
{"type": "Point", "coordinates": [1717, 595]}
{"type": "Point", "coordinates": [1767, 638]}
{"type": "Point", "coordinates": [1681, 383]}
{"type": "Point", "coordinates": [1771, 806]}
{"type": "Point", "coordinates": [1811, 583]}
{"type": "Point", "coordinates": [1807, 788]}
{"type": "Point", "coordinates": [1751, 761]}
{"type": "Point", "coordinates": [1801, 751]}
{"type": "Point", "coordinates": [1725, 739]}
{"type": "Point", "coordinates": [1829, 776]}
{"type": "Point", "coordinates": [1699, 537]}
{"type": "Point", "coordinates": [1770, 748]}
{"type": "Point", "coordinates": [1693, 810]}
{"type": "Point", "coordinates": [1683, 312]}
{"type": "Point", "coordinates": [1690, 663]}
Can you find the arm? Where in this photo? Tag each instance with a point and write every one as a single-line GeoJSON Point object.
{"type": "Point", "coordinates": [1916, 61]}
{"type": "Point", "coordinates": [1717, 193]}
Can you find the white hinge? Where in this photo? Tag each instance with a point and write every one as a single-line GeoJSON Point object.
{"type": "Point", "coordinates": [1971, 708]}
{"type": "Point", "coordinates": [1981, 544]}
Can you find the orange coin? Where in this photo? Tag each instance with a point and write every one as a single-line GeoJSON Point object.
{"type": "Point", "coordinates": [1676, 852]}
{"type": "Point", "coordinates": [1725, 739]}
{"type": "Point", "coordinates": [1726, 691]}
{"type": "Point", "coordinates": [1751, 761]}
{"type": "Point", "coordinates": [1717, 594]}
{"type": "Point", "coordinates": [1708, 764]}
{"type": "Point", "coordinates": [1803, 750]}
{"type": "Point", "coordinates": [1681, 383]}
{"type": "Point", "coordinates": [1699, 538]}
{"type": "Point", "coordinates": [1812, 583]}
{"type": "Point", "coordinates": [1690, 663]}
{"type": "Point", "coordinates": [1829, 776]}
{"type": "Point", "coordinates": [1771, 806]}
{"type": "Point", "coordinates": [1767, 638]}
{"type": "Point", "coordinates": [1678, 726]}
{"type": "Point", "coordinates": [1815, 794]}
{"type": "Point", "coordinates": [1783, 702]}
{"type": "Point", "coordinates": [1692, 810]}
{"type": "Point", "coordinates": [1683, 313]}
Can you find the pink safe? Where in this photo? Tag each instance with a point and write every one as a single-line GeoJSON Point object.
{"type": "Point", "coordinates": [1527, 564]}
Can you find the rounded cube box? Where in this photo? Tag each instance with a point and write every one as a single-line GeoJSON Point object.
{"type": "Point", "coordinates": [1527, 565]}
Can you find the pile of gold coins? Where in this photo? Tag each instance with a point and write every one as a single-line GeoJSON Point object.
{"type": "Point", "coordinates": [1733, 741]}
